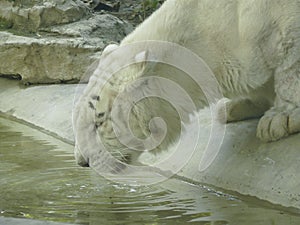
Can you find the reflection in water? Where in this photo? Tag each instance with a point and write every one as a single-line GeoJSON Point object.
{"type": "Point", "coordinates": [39, 180]}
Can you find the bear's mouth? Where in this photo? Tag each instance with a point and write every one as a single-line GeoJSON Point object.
{"type": "Point", "coordinates": [84, 163]}
{"type": "Point", "coordinates": [80, 160]}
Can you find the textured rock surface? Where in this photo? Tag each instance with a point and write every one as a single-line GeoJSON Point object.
{"type": "Point", "coordinates": [29, 16]}
{"type": "Point", "coordinates": [106, 27]}
{"type": "Point", "coordinates": [59, 53]}
{"type": "Point", "coordinates": [45, 60]}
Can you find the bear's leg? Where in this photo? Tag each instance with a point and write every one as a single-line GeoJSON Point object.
{"type": "Point", "coordinates": [284, 118]}
{"type": "Point", "coordinates": [245, 108]}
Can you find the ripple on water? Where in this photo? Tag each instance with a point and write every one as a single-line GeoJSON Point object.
{"type": "Point", "coordinates": [39, 180]}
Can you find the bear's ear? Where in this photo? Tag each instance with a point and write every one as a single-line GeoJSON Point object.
{"type": "Point", "coordinates": [109, 48]}
{"type": "Point", "coordinates": [147, 59]}
{"type": "Point", "coordinates": [142, 56]}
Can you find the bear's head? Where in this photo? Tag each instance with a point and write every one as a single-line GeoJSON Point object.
{"type": "Point", "coordinates": [134, 109]}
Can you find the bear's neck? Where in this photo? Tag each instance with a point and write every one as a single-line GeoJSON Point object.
{"type": "Point", "coordinates": [164, 25]}
{"type": "Point", "coordinates": [173, 23]}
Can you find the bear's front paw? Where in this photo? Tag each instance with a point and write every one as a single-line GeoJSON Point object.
{"type": "Point", "coordinates": [276, 125]}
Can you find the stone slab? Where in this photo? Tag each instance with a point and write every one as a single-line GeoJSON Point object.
{"type": "Point", "coordinates": [13, 221]}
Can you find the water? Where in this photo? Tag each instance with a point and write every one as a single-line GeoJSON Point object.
{"type": "Point", "coordinates": [39, 180]}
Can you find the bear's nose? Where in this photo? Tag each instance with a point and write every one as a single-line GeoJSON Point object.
{"type": "Point", "coordinates": [84, 164]}
{"type": "Point", "coordinates": [80, 160]}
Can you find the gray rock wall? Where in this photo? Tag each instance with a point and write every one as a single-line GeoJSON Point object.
{"type": "Point", "coordinates": [29, 16]}
{"type": "Point", "coordinates": [53, 41]}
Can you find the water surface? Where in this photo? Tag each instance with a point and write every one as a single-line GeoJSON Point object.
{"type": "Point", "coordinates": [39, 180]}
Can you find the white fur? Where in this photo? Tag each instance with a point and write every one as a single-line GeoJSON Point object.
{"type": "Point", "coordinates": [252, 47]}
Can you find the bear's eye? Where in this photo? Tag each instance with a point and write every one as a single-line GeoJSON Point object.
{"type": "Point", "coordinates": [96, 97]}
{"type": "Point", "coordinates": [91, 105]}
{"type": "Point", "coordinates": [100, 115]}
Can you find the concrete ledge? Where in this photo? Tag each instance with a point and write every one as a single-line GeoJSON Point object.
{"type": "Point", "coordinates": [269, 171]}
{"type": "Point", "coordinates": [244, 164]}
{"type": "Point", "coordinates": [13, 221]}
{"type": "Point", "coordinates": [48, 108]}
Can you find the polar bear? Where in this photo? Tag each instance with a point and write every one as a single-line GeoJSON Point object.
{"type": "Point", "coordinates": [252, 47]}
